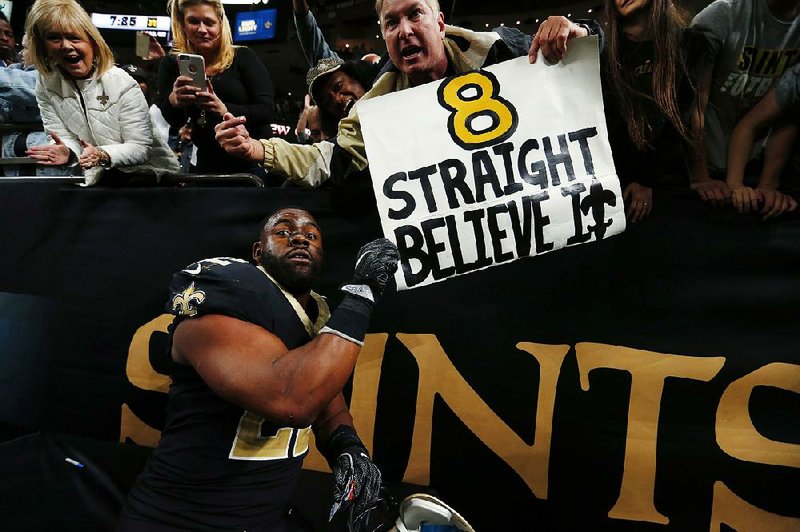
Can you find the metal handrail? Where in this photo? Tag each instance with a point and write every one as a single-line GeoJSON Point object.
{"type": "Point", "coordinates": [198, 179]}
{"type": "Point", "coordinates": [20, 127]}
{"type": "Point", "coordinates": [150, 180]}
{"type": "Point", "coordinates": [17, 160]}
{"type": "Point", "coordinates": [42, 179]}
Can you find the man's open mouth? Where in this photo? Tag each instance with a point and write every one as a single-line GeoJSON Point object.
{"type": "Point", "coordinates": [349, 105]}
{"type": "Point", "coordinates": [410, 52]}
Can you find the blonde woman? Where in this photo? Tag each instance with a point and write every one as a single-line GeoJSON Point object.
{"type": "Point", "coordinates": [95, 113]}
{"type": "Point", "coordinates": [237, 80]}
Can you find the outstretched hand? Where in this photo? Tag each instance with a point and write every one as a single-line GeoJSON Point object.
{"type": "Point", "coordinates": [551, 38]}
{"type": "Point", "coordinates": [50, 154]}
{"type": "Point", "coordinates": [235, 139]}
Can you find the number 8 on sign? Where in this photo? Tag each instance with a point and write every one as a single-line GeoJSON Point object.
{"type": "Point", "coordinates": [479, 116]}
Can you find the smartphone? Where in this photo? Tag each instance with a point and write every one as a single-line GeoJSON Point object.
{"type": "Point", "coordinates": [142, 44]}
{"type": "Point", "coordinates": [193, 66]}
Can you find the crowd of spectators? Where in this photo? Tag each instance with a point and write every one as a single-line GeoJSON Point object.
{"type": "Point", "coordinates": [708, 103]}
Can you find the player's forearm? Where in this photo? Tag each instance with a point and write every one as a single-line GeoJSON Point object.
{"type": "Point", "coordinates": [335, 414]}
{"type": "Point", "coordinates": [312, 376]}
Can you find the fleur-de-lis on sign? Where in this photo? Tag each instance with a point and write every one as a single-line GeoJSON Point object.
{"type": "Point", "coordinates": [186, 302]}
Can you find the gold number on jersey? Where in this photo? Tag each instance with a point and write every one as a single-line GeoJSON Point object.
{"type": "Point", "coordinates": [251, 444]}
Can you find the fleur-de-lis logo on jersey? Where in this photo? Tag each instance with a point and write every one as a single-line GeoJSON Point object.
{"type": "Point", "coordinates": [186, 302]}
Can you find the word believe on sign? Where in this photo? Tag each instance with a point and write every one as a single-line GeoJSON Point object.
{"type": "Point", "coordinates": [493, 165]}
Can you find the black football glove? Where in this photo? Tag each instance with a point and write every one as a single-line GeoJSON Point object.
{"type": "Point", "coordinates": [376, 263]}
{"type": "Point", "coordinates": [356, 480]}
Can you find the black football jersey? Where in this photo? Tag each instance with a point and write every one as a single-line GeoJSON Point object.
{"type": "Point", "coordinates": [217, 466]}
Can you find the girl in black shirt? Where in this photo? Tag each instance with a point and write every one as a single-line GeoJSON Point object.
{"type": "Point", "coordinates": [649, 95]}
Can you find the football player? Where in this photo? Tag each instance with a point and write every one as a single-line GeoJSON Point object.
{"type": "Point", "coordinates": [258, 362]}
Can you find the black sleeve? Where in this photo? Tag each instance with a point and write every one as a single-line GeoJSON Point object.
{"type": "Point", "coordinates": [518, 43]}
{"type": "Point", "coordinates": [594, 29]}
{"type": "Point", "coordinates": [167, 74]}
{"type": "Point", "coordinates": [260, 111]}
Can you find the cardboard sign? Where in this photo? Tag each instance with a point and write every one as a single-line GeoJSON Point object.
{"type": "Point", "coordinates": [495, 165]}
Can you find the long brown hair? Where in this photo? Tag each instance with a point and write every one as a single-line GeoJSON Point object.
{"type": "Point", "coordinates": [665, 23]}
{"type": "Point", "coordinates": [181, 44]}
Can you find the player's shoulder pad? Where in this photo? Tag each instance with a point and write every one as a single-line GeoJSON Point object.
{"type": "Point", "coordinates": [220, 285]}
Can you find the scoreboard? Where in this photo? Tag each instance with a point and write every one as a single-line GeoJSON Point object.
{"type": "Point", "coordinates": [158, 26]}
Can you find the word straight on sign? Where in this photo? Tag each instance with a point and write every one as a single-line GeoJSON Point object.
{"type": "Point", "coordinates": [494, 165]}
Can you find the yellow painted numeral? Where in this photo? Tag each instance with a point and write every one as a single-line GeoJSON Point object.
{"type": "Point", "coordinates": [472, 96]}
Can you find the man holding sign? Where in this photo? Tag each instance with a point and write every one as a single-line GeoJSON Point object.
{"type": "Point", "coordinates": [421, 49]}
{"type": "Point", "coordinates": [496, 175]}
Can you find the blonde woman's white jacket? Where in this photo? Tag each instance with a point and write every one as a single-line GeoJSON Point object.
{"type": "Point", "coordinates": [110, 113]}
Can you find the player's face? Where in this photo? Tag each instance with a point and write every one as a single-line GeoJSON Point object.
{"type": "Point", "coordinates": [291, 249]}
{"type": "Point", "coordinates": [339, 93]}
{"type": "Point", "coordinates": [72, 50]}
{"type": "Point", "coordinates": [203, 28]}
{"type": "Point", "coordinates": [414, 36]}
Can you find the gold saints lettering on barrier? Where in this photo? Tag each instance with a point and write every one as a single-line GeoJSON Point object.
{"type": "Point", "coordinates": [649, 373]}
{"type": "Point", "coordinates": [141, 374]}
{"type": "Point", "coordinates": [439, 376]}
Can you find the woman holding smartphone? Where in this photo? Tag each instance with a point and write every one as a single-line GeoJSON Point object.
{"type": "Point", "coordinates": [236, 82]}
